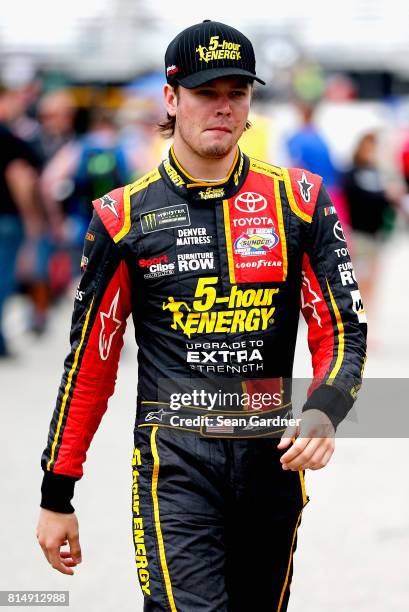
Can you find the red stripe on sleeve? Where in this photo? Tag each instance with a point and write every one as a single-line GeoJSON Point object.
{"type": "Point", "coordinates": [320, 328]}
{"type": "Point", "coordinates": [95, 381]}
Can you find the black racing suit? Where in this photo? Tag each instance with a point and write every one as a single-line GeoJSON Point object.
{"type": "Point", "coordinates": [212, 274]}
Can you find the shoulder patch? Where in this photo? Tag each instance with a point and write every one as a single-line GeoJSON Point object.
{"type": "Point", "coordinates": [262, 168]}
{"type": "Point", "coordinates": [144, 181]}
{"type": "Point", "coordinates": [114, 211]}
{"type": "Point", "coordinates": [302, 189]}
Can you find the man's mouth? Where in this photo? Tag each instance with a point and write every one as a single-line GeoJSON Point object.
{"type": "Point", "coordinates": [219, 129]}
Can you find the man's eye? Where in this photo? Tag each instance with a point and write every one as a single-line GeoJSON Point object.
{"type": "Point", "coordinates": [238, 93]}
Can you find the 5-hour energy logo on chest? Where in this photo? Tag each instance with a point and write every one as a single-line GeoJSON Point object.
{"type": "Point", "coordinates": [246, 310]}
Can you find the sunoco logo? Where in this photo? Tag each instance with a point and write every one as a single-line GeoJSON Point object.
{"type": "Point", "coordinates": [256, 242]}
{"type": "Point", "coordinates": [250, 202]}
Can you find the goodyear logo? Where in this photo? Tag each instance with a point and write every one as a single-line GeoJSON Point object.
{"type": "Point", "coordinates": [245, 310]}
{"type": "Point", "coordinates": [173, 175]}
{"type": "Point", "coordinates": [212, 193]}
{"type": "Point", "coordinates": [219, 50]}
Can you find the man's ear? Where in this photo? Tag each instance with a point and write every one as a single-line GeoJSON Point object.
{"type": "Point", "coordinates": [171, 100]}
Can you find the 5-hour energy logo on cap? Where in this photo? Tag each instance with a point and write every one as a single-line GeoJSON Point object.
{"type": "Point", "coordinates": [217, 50]}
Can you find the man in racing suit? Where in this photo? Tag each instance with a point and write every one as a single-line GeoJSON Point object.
{"type": "Point", "coordinates": [211, 270]}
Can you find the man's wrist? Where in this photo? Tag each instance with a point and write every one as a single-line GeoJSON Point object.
{"type": "Point", "coordinates": [331, 401]}
{"type": "Point", "coordinates": [57, 491]}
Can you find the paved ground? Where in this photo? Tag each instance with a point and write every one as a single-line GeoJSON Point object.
{"type": "Point", "coordinates": [354, 538]}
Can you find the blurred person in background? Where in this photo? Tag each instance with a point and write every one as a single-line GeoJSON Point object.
{"type": "Point", "coordinates": [44, 137]}
{"type": "Point", "coordinates": [307, 148]}
{"type": "Point", "coordinates": [143, 148]}
{"type": "Point", "coordinates": [21, 218]}
{"type": "Point", "coordinates": [56, 115]}
{"type": "Point", "coordinates": [371, 212]}
{"type": "Point", "coordinates": [81, 171]}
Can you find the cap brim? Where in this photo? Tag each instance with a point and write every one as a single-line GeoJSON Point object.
{"type": "Point", "coordinates": [204, 76]}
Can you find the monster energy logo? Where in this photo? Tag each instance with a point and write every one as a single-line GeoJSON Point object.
{"type": "Point", "coordinates": [150, 222]}
{"type": "Point", "coordinates": [165, 218]}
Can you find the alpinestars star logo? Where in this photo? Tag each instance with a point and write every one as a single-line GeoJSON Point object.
{"type": "Point", "coordinates": [305, 188]}
{"type": "Point", "coordinates": [158, 416]}
{"type": "Point", "coordinates": [309, 299]}
{"type": "Point", "coordinates": [108, 202]}
{"type": "Point", "coordinates": [109, 326]}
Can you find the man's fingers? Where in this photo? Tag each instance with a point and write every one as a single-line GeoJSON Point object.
{"type": "Point", "coordinates": [297, 448]}
{"type": "Point", "coordinates": [304, 455]}
{"type": "Point", "coordinates": [314, 456]}
{"type": "Point", "coordinates": [75, 548]}
{"type": "Point", "coordinates": [287, 437]}
{"type": "Point", "coordinates": [284, 443]}
{"type": "Point", "coordinates": [322, 460]}
{"type": "Point", "coordinates": [65, 557]}
{"type": "Point", "coordinates": [55, 561]}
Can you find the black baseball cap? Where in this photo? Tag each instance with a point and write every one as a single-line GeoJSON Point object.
{"type": "Point", "coordinates": [206, 51]}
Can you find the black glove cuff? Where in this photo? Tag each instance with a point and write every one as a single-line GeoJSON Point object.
{"type": "Point", "coordinates": [332, 401]}
{"type": "Point", "coordinates": [57, 492]}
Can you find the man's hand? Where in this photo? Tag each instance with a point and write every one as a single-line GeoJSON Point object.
{"type": "Point", "coordinates": [314, 442]}
{"type": "Point", "coordinates": [55, 530]}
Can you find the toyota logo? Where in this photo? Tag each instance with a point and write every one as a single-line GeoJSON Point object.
{"type": "Point", "coordinates": [339, 232]}
{"type": "Point", "coordinates": [250, 202]}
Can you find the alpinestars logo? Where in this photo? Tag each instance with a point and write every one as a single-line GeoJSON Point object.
{"type": "Point", "coordinates": [108, 202]}
{"type": "Point", "coordinates": [250, 202]}
{"type": "Point", "coordinates": [109, 326]}
{"type": "Point", "coordinates": [158, 415]}
{"type": "Point", "coordinates": [309, 299]}
{"type": "Point", "coordinates": [305, 188]}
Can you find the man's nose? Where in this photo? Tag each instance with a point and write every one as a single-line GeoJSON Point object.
{"type": "Point", "coordinates": [223, 107]}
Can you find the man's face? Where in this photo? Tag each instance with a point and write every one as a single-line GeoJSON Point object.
{"type": "Point", "coordinates": [211, 118]}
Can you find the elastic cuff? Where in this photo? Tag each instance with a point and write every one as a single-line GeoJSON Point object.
{"type": "Point", "coordinates": [57, 492]}
{"type": "Point", "coordinates": [332, 401]}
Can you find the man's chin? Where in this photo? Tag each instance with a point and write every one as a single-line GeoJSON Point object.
{"type": "Point", "coordinates": [216, 150]}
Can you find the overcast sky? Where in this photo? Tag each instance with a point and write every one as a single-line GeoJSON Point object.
{"type": "Point", "coordinates": [382, 22]}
